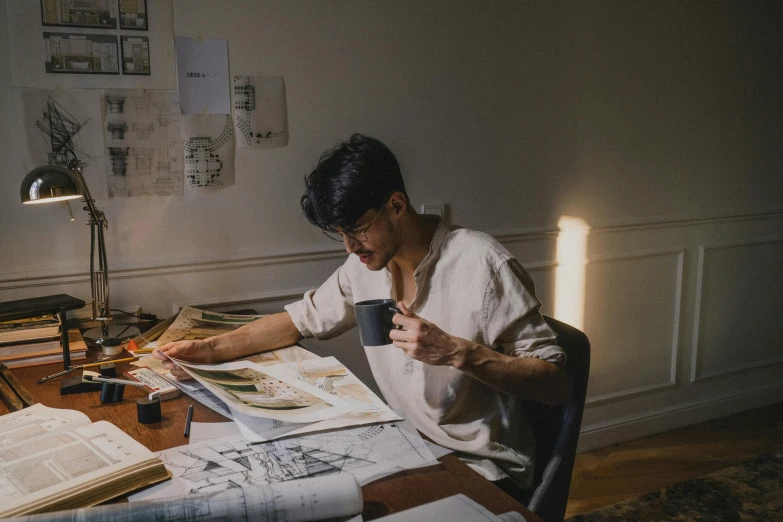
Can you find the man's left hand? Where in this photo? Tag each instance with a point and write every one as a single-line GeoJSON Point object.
{"type": "Point", "coordinates": [425, 342]}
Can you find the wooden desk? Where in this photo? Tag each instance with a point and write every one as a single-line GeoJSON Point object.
{"type": "Point", "coordinates": [389, 495]}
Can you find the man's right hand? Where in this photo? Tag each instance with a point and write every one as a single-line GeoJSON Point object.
{"type": "Point", "coordinates": [201, 351]}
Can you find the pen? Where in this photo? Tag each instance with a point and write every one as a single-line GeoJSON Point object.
{"type": "Point", "coordinates": [112, 381]}
{"type": "Point", "coordinates": [79, 367]}
{"type": "Point", "coordinates": [188, 420]}
{"type": "Point", "coordinates": [58, 374]}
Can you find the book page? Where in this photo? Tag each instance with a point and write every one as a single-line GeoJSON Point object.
{"type": "Point", "coordinates": [36, 421]}
{"type": "Point", "coordinates": [58, 463]}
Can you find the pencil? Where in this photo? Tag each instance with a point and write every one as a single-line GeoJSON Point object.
{"type": "Point", "coordinates": [188, 421]}
{"type": "Point", "coordinates": [90, 365]}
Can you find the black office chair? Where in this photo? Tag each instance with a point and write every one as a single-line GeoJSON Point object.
{"type": "Point", "coordinates": [556, 428]}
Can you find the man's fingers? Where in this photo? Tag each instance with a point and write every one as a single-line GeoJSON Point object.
{"type": "Point", "coordinates": [404, 320]}
{"type": "Point", "coordinates": [180, 374]}
{"type": "Point", "coordinates": [159, 355]}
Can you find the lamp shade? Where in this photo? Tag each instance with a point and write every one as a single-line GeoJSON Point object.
{"type": "Point", "coordinates": [50, 183]}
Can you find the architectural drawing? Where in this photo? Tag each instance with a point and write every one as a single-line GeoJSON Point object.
{"type": "Point", "coordinates": [78, 13]}
{"type": "Point", "coordinates": [208, 144]}
{"type": "Point", "coordinates": [143, 149]}
{"type": "Point", "coordinates": [133, 15]}
{"type": "Point", "coordinates": [81, 53]}
{"type": "Point", "coordinates": [260, 112]}
{"type": "Point", "coordinates": [135, 54]}
{"type": "Point", "coordinates": [70, 58]}
{"type": "Point", "coordinates": [59, 121]}
{"type": "Point", "coordinates": [233, 462]}
{"type": "Point", "coordinates": [266, 393]}
{"type": "Point", "coordinates": [209, 323]}
{"type": "Point", "coordinates": [294, 501]}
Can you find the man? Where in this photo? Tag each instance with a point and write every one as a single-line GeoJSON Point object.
{"type": "Point", "coordinates": [472, 343]}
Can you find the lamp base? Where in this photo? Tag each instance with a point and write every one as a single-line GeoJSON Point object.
{"type": "Point", "coordinates": [116, 334]}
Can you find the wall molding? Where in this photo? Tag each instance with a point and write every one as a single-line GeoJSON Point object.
{"type": "Point", "coordinates": [697, 312]}
{"type": "Point", "coordinates": [673, 349]}
{"type": "Point", "coordinates": [649, 422]}
{"type": "Point", "coordinates": [80, 274]}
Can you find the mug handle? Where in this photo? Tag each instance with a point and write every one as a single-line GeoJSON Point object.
{"type": "Point", "coordinates": [396, 310]}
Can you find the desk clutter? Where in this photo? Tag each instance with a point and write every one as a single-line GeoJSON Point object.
{"type": "Point", "coordinates": [37, 340]}
{"type": "Point", "coordinates": [325, 435]}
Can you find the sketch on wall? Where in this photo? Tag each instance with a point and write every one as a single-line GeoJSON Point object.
{"type": "Point", "coordinates": [143, 149]}
{"type": "Point", "coordinates": [260, 112]}
{"type": "Point", "coordinates": [78, 13]}
{"type": "Point", "coordinates": [81, 53]}
{"type": "Point", "coordinates": [135, 54]}
{"type": "Point", "coordinates": [208, 145]}
{"type": "Point", "coordinates": [57, 121]}
{"type": "Point", "coordinates": [133, 14]}
{"type": "Point", "coordinates": [124, 44]}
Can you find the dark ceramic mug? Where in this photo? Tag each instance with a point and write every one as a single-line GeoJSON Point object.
{"type": "Point", "coordinates": [374, 319]}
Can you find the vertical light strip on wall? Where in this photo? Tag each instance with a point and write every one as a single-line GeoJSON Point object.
{"type": "Point", "coordinates": [570, 271]}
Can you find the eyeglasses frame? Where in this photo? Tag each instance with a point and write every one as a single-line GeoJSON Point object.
{"type": "Point", "coordinates": [351, 233]}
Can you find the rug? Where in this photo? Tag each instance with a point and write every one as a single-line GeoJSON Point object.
{"type": "Point", "coordinates": [750, 492]}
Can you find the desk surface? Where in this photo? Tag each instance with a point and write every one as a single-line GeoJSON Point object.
{"type": "Point", "coordinates": [389, 495]}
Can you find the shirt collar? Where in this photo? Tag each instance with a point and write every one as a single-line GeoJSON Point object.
{"type": "Point", "coordinates": [435, 243]}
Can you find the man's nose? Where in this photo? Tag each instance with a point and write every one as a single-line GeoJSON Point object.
{"type": "Point", "coordinates": [351, 245]}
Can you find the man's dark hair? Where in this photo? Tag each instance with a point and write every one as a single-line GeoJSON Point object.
{"type": "Point", "coordinates": [357, 175]}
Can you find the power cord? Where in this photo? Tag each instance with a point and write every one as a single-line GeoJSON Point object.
{"type": "Point", "coordinates": [143, 317]}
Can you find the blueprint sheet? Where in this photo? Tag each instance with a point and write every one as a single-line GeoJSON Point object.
{"type": "Point", "coordinates": [295, 501]}
{"type": "Point", "coordinates": [366, 453]}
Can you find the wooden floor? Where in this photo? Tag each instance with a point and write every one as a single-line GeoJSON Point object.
{"type": "Point", "coordinates": [604, 476]}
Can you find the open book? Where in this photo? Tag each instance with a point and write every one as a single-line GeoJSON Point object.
{"type": "Point", "coordinates": [52, 459]}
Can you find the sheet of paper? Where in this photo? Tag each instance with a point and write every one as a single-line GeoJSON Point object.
{"type": "Point", "coordinates": [193, 323]}
{"type": "Point", "coordinates": [208, 144]}
{"type": "Point", "coordinates": [457, 508]}
{"type": "Point", "coordinates": [266, 392]}
{"type": "Point", "coordinates": [92, 50]}
{"type": "Point", "coordinates": [57, 120]}
{"type": "Point", "coordinates": [202, 74]}
{"type": "Point", "coordinates": [217, 464]}
{"type": "Point", "coordinates": [143, 147]}
{"type": "Point", "coordinates": [260, 112]}
{"type": "Point", "coordinates": [326, 498]}
{"type": "Point", "coordinates": [201, 431]}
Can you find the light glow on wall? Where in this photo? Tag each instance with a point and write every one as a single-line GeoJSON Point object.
{"type": "Point", "coordinates": [570, 272]}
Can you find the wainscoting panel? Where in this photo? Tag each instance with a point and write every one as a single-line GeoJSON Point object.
{"type": "Point", "coordinates": [738, 323]}
{"type": "Point", "coordinates": [632, 311]}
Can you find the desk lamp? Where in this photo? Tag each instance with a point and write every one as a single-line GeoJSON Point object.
{"type": "Point", "coordinates": [54, 183]}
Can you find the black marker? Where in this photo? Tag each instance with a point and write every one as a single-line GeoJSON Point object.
{"type": "Point", "coordinates": [187, 421]}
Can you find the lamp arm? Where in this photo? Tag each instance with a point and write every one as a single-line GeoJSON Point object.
{"type": "Point", "coordinates": [99, 279]}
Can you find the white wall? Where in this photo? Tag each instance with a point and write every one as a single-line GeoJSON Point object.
{"type": "Point", "coordinates": [657, 124]}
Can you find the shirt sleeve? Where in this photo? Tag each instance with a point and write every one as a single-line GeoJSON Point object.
{"type": "Point", "coordinates": [326, 312]}
{"type": "Point", "coordinates": [512, 317]}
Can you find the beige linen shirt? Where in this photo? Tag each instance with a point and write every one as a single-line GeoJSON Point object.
{"type": "Point", "coordinates": [471, 287]}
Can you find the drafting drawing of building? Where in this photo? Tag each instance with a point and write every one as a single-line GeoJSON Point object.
{"type": "Point", "coordinates": [239, 463]}
{"type": "Point", "coordinates": [259, 111]}
{"type": "Point", "coordinates": [244, 94]}
{"type": "Point", "coordinates": [60, 127]}
{"type": "Point", "coordinates": [119, 160]}
{"type": "Point", "coordinates": [142, 137]}
{"type": "Point", "coordinates": [202, 161]}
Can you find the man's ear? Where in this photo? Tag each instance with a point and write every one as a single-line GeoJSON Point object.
{"type": "Point", "coordinates": [399, 203]}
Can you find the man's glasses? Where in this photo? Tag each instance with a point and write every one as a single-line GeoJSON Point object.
{"type": "Point", "coordinates": [359, 234]}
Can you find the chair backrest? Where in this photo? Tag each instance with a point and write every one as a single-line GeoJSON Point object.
{"type": "Point", "coordinates": [556, 428]}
